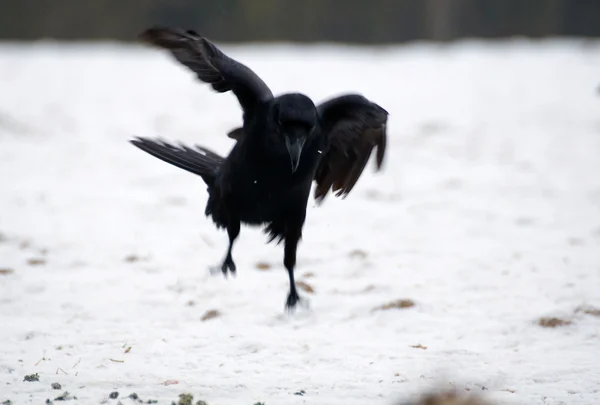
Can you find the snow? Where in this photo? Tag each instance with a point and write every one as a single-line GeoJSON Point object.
{"type": "Point", "coordinates": [487, 215]}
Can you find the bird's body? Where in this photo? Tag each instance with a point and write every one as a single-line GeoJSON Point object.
{"type": "Point", "coordinates": [259, 183]}
{"type": "Point", "coordinates": [258, 192]}
{"type": "Point", "coordinates": [285, 144]}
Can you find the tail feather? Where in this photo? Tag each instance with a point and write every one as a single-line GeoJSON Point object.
{"type": "Point", "coordinates": [200, 161]}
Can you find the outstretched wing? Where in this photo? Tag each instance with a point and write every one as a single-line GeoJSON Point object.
{"type": "Point", "coordinates": [210, 64]}
{"type": "Point", "coordinates": [354, 126]}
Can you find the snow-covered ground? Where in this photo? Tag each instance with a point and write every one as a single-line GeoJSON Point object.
{"type": "Point", "coordinates": [487, 216]}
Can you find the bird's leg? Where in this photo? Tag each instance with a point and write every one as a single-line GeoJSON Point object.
{"type": "Point", "coordinates": [233, 230]}
{"type": "Point", "coordinates": [292, 236]}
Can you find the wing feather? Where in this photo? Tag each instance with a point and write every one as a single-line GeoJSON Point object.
{"type": "Point", "coordinates": [354, 126]}
{"type": "Point", "coordinates": [210, 64]}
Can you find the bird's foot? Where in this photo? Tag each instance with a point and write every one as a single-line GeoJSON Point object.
{"type": "Point", "coordinates": [228, 266]}
{"type": "Point", "coordinates": [294, 299]}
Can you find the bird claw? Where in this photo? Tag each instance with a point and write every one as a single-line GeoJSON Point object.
{"type": "Point", "coordinates": [294, 299]}
{"type": "Point", "coordinates": [228, 266]}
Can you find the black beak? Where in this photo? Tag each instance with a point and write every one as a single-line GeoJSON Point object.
{"type": "Point", "coordinates": [294, 148]}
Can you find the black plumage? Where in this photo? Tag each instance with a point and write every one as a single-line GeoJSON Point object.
{"type": "Point", "coordinates": [285, 144]}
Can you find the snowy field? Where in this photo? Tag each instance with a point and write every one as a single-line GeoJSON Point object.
{"type": "Point", "coordinates": [486, 216]}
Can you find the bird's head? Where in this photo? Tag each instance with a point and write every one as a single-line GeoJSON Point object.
{"type": "Point", "coordinates": [296, 119]}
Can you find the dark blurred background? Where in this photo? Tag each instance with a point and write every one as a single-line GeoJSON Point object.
{"type": "Point", "coordinates": [352, 21]}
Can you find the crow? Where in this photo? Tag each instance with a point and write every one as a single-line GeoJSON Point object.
{"type": "Point", "coordinates": [285, 143]}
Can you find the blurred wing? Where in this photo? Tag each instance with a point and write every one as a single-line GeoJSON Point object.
{"type": "Point", "coordinates": [210, 64]}
{"type": "Point", "coordinates": [354, 126]}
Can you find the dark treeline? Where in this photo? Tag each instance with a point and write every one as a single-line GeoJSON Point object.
{"type": "Point", "coordinates": [354, 21]}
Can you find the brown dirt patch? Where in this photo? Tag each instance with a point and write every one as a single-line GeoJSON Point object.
{"type": "Point", "coordinates": [450, 398]}
{"type": "Point", "coordinates": [397, 304]}
{"type": "Point", "coordinates": [36, 261]}
{"type": "Point", "coordinates": [211, 314]}
{"type": "Point", "coordinates": [358, 254]}
{"type": "Point", "coordinates": [169, 382]}
{"type": "Point", "coordinates": [553, 322]}
{"type": "Point", "coordinates": [132, 258]}
{"type": "Point", "coordinates": [304, 286]}
{"type": "Point", "coordinates": [263, 266]}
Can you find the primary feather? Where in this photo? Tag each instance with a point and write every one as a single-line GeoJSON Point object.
{"type": "Point", "coordinates": [210, 64]}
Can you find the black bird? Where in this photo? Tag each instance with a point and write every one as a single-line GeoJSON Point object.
{"type": "Point", "coordinates": [285, 143]}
